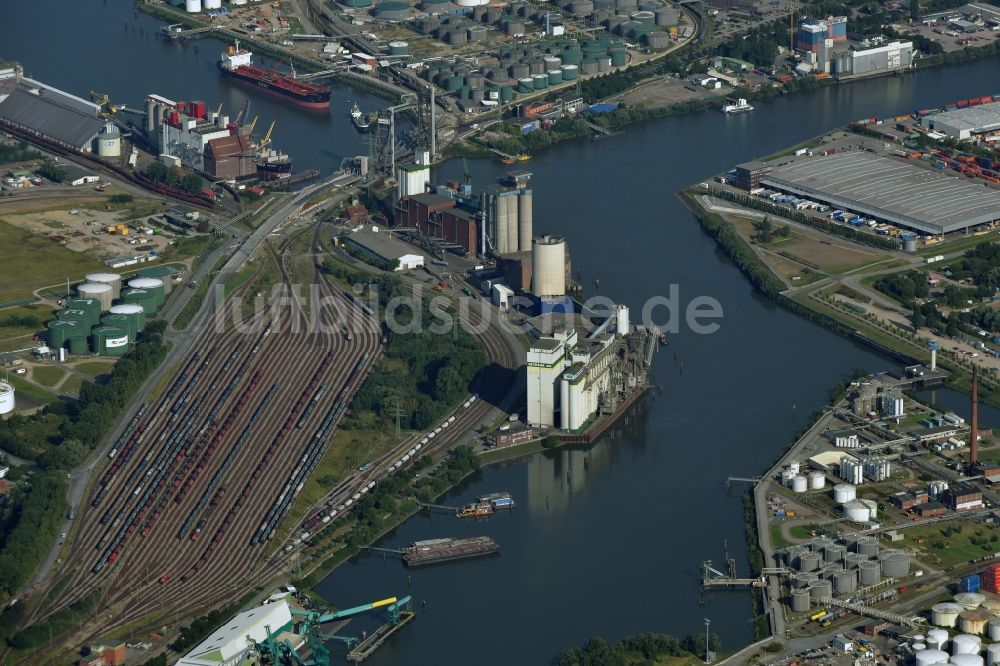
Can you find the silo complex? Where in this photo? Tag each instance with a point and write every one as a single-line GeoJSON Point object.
{"type": "Point", "coordinates": [112, 279]}
{"type": "Point", "coordinates": [109, 340]}
{"type": "Point", "coordinates": [548, 266]}
{"type": "Point", "coordinates": [142, 297]}
{"type": "Point", "coordinates": [133, 312]}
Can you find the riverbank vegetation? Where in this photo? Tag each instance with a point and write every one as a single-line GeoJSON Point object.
{"type": "Point", "coordinates": [640, 649]}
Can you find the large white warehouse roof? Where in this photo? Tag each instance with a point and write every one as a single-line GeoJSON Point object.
{"type": "Point", "coordinates": [228, 644]}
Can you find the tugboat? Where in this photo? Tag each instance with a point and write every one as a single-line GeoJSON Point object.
{"type": "Point", "coordinates": [741, 106]}
{"type": "Point", "coordinates": [361, 122]}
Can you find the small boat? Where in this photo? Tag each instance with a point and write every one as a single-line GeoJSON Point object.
{"type": "Point", "coordinates": [509, 160]}
{"type": "Point", "coordinates": [740, 106]}
{"type": "Point", "coordinates": [359, 119]}
{"type": "Point", "coordinates": [478, 510]}
{"type": "Point", "coordinates": [523, 157]}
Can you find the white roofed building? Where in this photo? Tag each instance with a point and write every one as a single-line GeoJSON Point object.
{"type": "Point", "coordinates": [228, 645]}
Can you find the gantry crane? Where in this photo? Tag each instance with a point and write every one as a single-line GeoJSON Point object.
{"type": "Point", "coordinates": [307, 623]}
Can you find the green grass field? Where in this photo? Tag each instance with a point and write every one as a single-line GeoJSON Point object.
{"type": "Point", "coordinates": [94, 368]}
{"type": "Point", "coordinates": [25, 389]}
{"type": "Point", "coordinates": [72, 385]}
{"type": "Point", "coordinates": [28, 262]}
{"type": "Point", "coordinates": [947, 550]}
{"type": "Point", "coordinates": [49, 375]}
{"type": "Point", "coordinates": [16, 328]}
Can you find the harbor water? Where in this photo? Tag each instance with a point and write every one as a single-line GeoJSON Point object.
{"type": "Point", "coordinates": [605, 541]}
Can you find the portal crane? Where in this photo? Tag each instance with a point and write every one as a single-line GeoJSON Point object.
{"type": "Point", "coordinates": [242, 115]}
{"type": "Point", "coordinates": [307, 623]}
{"type": "Point", "coordinates": [253, 123]}
{"type": "Point", "coordinates": [107, 108]}
{"type": "Point", "coordinates": [267, 137]}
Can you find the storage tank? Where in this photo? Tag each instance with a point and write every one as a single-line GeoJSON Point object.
{"type": "Point", "coordinates": [821, 589]}
{"type": "Point", "coordinates": [992, 605]}
{"type": "Point", "coordinates": [872, 507]}
{"type": "Point", "coordinates": [974, 621]}
{"type": "Point", "coordinates": [834, 553]}
{"type": "Point", "coordinates": [843, 493]}
{"type": "Point", "coordinates": [391, 10]}
{"type": "Point", "coordinates": [109, 340]}
{"type": "Point", "coordinates": [548, 266]}
{"type": "Point", "coordinates": [514, 27]}
{"type": "Point", "coordinates": [57, 331]}
{"type": "Point", "coordinates": [928, 657]}
{"type": "Point", "coordinates": [506, 93]}
{"type": "Point", "coordinates": [525, 85]}
{"type": "Point", "coordinates": [457, 37]}
{"type": "Point", "coordinates": [133, 312]}
{"type": "Point", "coordinates": [541, 81]}
{"type": "Point", "coordinates": [945, 614]}
{"type": "Point", "coordinates": [476, 34]}
{"type": "Point", "coordinates": [98, 291]}
{"type": "Point", "coordinates": [966, 660]}
{"type": "Point", "coordinates": [800, 601]}
{"type": "Point", "coordinates": [154, 285]}
{"type": "Point", "coordinates": [113, 279]}
{"type": "Point", "coordinates": [519, 71]}
{"type": "Point", "coordinates": [845, 582]}
{"type": "Point", "coordinates": [123, 322]}
{"type": "Point", "coordinates": [993, 629]}
{"type": "Point", "coordinates": [211, 4]}
{"type": "Point", "coordinates": [89, 305]}
{"type": "Point", "coordinates": [525, 220]}
{"type": "Point", "coordinates": [581, 8]}
{"type": "Point", "coordinates": [820, 544]}
{"type": "Point", "coordinates": [618, 58]}
{"type": "Point", "coordinates": [570, 72]}
{"type": "Point", "coordinates": [895, 563]}
{"type": "Point", "coordinates": [6, 398]}
{"type": "Point", "coordinates": [800, 484]}
{"type": "Point", "coordinates": [809, 561]}
{"type": "Point", "coordinates": [817, 480]}
{"type": "Point", "coordinates": [109, 145]}
{"type": "Point", "coordinates": [78, 316]}
{"type": "Point", "coordinates": [552, 62]}
{"type": "Point", "coordinates": [909, 245]}
{"type": "Point", "coordinates": [555, 77]}
{"type": "Point", "coordinates": [657, 39]}
{"type": "Point", "coordinates": [146, 299]}
{"type": "Point", "coordinates": [588, 66]}
{"type": "Point", "coordinates": [399, 48]}
{"type": "Point", "coordinates": [643, 17]}
{"type": "Point", "coordinates": [667, 16]}
{"type": "Point", "coordinates": [856, 511]}
{"type": "Point", "coordinates": [969, 600]}
{"type": "Point", "coordinates": [992, 654]}
{"type": "Point", "coordinates": [869, 572]}
{"type": "Point", "coordinates": [192, 6]}
{"type": "Point", "coordinates": [917, 647]}
{"type": "Point", "coordinates": [936, 639]}
{"type": "Point", "coordinates": [853, 560]}
{"type": "Point", "coordinates": [965, 644]}
{"type": "Point", "coordinates": [867, 546]}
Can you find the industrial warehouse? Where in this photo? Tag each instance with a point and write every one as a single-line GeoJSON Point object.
{"type": "Point", "coordinates": [889, 190]}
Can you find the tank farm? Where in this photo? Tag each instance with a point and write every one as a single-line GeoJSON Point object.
{"type": "Point", "coordinates": [197, 485]}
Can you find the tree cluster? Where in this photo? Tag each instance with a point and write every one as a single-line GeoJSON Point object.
{"type": "Point", "coordinates": [56, 174]}
{"type": "Point", "coordinates": [29, 522]}
{"type": "Point", "coordinates": [904, 286]}
{"type": "Point", "coordinates": [17, 152]}
{"type": "Point", "coordinates": [638, 649]}
{"type": "Point", "coordinates": [161, 173]}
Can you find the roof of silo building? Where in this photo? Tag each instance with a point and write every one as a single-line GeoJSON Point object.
{"type": "Point", "coordinates": [889, 189]}
{"type": "Point", "coordinates": [53, 115]}
{"type": "Point", "coordinates": [976, 119]}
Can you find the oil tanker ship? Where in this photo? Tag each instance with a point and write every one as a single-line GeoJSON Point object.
{"type": "Point", "coordinates": [238, 64]}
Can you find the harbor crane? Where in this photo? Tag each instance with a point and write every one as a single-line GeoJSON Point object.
{"type": "Point", "coordinates": [277, 650]}
{"type": "Point", "coordinates": [267, 137]}
{"type": "Point", "coordinates": [242, 115]}
{"type": "Point", "coordinates": [104, 101]}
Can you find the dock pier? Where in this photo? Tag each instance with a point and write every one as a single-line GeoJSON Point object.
{"type": "Point", "coordinates": [385, 551]}
{"type": "Point", "coordinates": [373, 641]}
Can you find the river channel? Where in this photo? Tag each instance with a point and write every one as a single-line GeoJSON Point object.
{"type": "Point", "coordinates": [606, 541]}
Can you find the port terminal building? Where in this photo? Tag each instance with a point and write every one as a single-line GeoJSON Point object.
{"type": "Point", "coordinates": [889, 190]}
{"type": "Point", "coordinates": [229, 645]}
{"type": "Point", "coordinates": [963, 124]}
{"type": "Point", "coordinates": [48, 113]}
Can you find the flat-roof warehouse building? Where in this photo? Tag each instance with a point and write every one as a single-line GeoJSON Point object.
{"type": "Point", "coordinates": [964, 123]}
{"type": "Point", "coordinates": [890, 190]}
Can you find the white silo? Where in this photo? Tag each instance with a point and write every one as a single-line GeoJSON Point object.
{"type": "Point", "coordinates": [548, 266]}
{"type": "Point", "coordinates": [192, 6]}
{"type": "Point", "coordinates": [799, 484]}
{"type": "Point", "coordinates": [993, 629]}
{"type": "Point", "coordinates": [211, 4]}
{"type": "Point", "coordinates": [525, 224]}
{"type": "Point", "coordinates": [967, 660]}
{"type": "Point", "coordinates": [844, 492]}
{"type": "Point", "coordinates": [945, 614]}
{"type": "Point", "coordinates": [786, 477]}
{"type": "Point", "coordinates": [936, 639]}
{"type": "Point", "coordinates": [99, 291]}
{"type": "Point", "coordinates": [856, 511]}
{"type": "Point", "coordinates": [6, 398]}
{"type": "Point", "coordinates": [794, 466]}
{"type": "Point", "coordinates": [872, 507]}
{"type": "Point", "coordinates": [929, 657]}
{"type": "Point", "coordinates": [817, 480]}
{"type": "Point", "coordinates": [992, 654]}
{"type": "Point", "coordinates": [112, 279]}
{"type": "Point", "coordinates": [622, 320]}
{"type": "Point", "coordinates": [109, 145]}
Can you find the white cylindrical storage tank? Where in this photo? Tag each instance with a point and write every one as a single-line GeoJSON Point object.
{"type": "Point", "coordinates": [525, 223]}
{"type": "Point", "coordinates": [817, 480]}
{"type": "Point", "coordinates": [192, 6]}
{"type": "Point", "coordinates": [872, 507]}
{"type": "Point", "coordinates": [918, 647]}
{"type": "Point", "coordinates": [132, 310]}
{"type": "Point", "coordinates": [928, 657]}
{"type": "Point", "coordinates": [800, 484]}
{"type": "Point", "coordinates": [993, 654]}
{"type": "Point", "coordinates": [945, 615]}
{"type": "Point", "coordinates": [993, 629]}
{"type": "Point", "coordinates": [992, 605]}
{"type": "Point", "coordinates": [936, 639]}
{"type": "Point", "coordinates": [548, 266]}
{"type": "Point", "coordinates": [109, 145]}
{"type": "Point", "coordinates": [974, 621]}
{"type": "Point", "coordinates": [967, 660]}
{"type": "Point", "coordinates": [965, 644]}
{"type": "Point", "coordinates": [211, 4]}
{"type": "Point", "coordinates": [112, 279]}
{"type": "Point", "coordinates": [969, 600]}
{"type": "Point", "coordinates": [6, 398]}
{"type": "Point", "coordinates": [98, 291]}
{"type": "Point", "coordinates": [794, 466]}
{"type": "Point", "coordinates": [844, 492]}
{"type": "Point", "coordinates": [856, 511]}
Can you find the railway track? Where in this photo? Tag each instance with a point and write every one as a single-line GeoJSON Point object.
{"type": "Point", "coordinates": [194, 474]}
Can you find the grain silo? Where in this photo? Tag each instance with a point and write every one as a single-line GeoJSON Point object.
{"type": "Point", "coordinates": [548, 266]}
{"type": "Point", "coordinates": [98, 291]}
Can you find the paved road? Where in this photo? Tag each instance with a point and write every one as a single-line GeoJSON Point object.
{"type": "Point", "coordinates": [181, 342]}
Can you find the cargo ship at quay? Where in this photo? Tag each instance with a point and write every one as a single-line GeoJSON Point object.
{"type": "Point", "coordinates": [237, 63]}
{"type": "Point", "coordinates": [437, 551]}
{"type": "Point", "coordinates": [486, 506]}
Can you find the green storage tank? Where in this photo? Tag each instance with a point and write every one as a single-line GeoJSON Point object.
{"type": "Point", "coordinates": [619, 58]}
{"type": "Point", "coordinates": [506, 93]}
{"type": "Point", "coordinates": [146, 299]}
{"type": "Point", "coordinates": [77, 315]}
{"type": "Point", "coordinates": [61, 330]}
{"type": "Point", "coordinates": [570, 72]}
{"type": "Point", "coordinates": [123, 322]}
{"type": "Point", "coordinates": [555, 77]}
{"type": "Point", "coordinates": [78, 345]}
{"type": "Point", "coordinates": [161, 272]}
{"type": "Point", "coordinates": [91, 306]}
{"type": "Point", "coordinates": [134, 312]}
{"type": "Point", "coordinates": [399, 48]}
{"type": "Point", "coordinates": [109, 340]}
{"type": "Point", "coordinates": [540, 81]}
{"type": "Point", "coordinates": [357, 4]}
{"type": "Point", "coordinates": [154, 285]}
{"type": "Point", "coordinates": [525, 85]}
{"type": "Point", "coordinates": [571, 57]}
{"type": "Point", "coordinates": [454, 84]}
{"type": "Point", "coordinates": [464, 92]}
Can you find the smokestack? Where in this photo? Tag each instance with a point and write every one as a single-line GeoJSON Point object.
{"type": "Point", "coordinates": [974, 442]}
